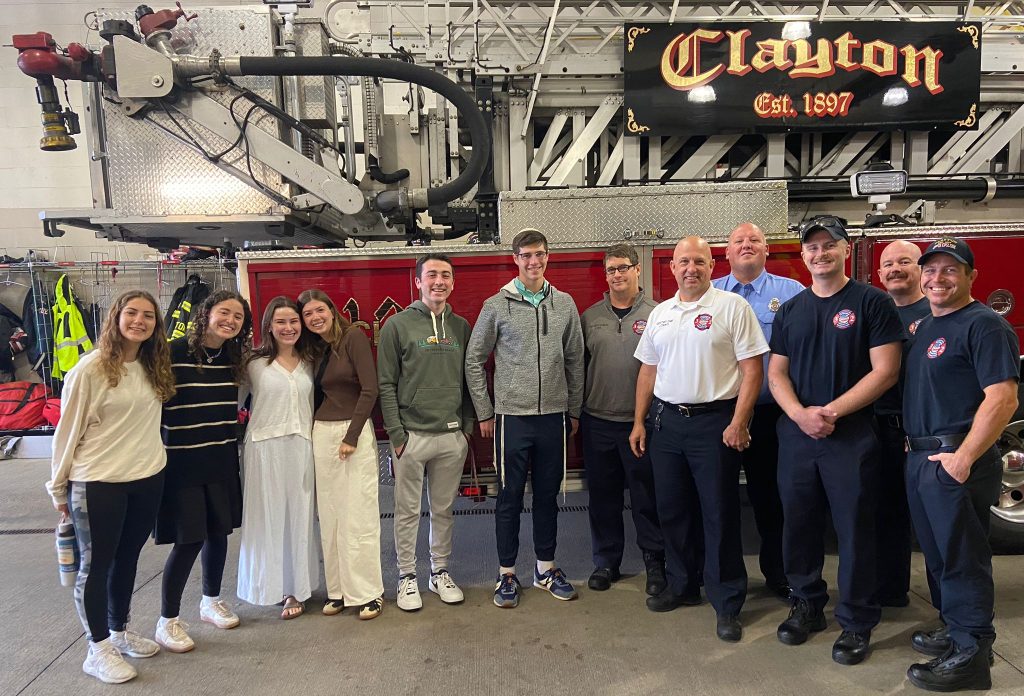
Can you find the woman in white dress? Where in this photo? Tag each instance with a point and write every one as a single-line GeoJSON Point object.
{"type": "Point", "coordinates": [278, 550]}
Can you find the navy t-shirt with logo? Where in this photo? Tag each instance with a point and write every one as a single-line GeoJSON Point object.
{"type": "Point", "coordinates": [891, 402]}
{"type": "Point", "coordinates": [828, 339]}
{"type": "Point", "coordinates": [950, 361]}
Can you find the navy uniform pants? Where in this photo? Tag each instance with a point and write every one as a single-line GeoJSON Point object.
{"type": "Point", "coordinates": [534, 444]}
{"type": "Point", "coordinates": [951, 521]}
{"type": "Point", "coordinates": [893, 521]}
{"type": "Point", "coordinates": [760, 464]}
{"type": "Point", "coordinates": [610, 465]}
{"type": "Point", "coordinates": [695, 476]}
{"type": "Point", "coordinates": [840, 472]}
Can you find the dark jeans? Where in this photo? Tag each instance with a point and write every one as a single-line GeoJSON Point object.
{"type": "Point", "coordinates": [893, 521]}
{"type": "Point", "coordinates": [840, 471]}
{"type": "Point", "coordinates": [535, 444]}
{"type": "Point", "coordinates": [951, 521]}
{"type": "Point", "coordinates": [610, 465]}
{"type": "Point", "coordinates": [761, 466]}
{"type": "Point", "coordinates": [697, 479]}
{"type": "Point", "coordinates": [112, 522]}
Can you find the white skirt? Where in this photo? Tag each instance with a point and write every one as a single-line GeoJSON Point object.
{"type": "Point", "coordinates": [279, 547]}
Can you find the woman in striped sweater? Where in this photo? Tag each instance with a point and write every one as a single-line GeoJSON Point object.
{"type": "Point", "coordinates": [202, 501]}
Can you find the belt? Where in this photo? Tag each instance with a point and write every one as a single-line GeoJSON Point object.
{"type": "Point", "coordinates": [935, 442]}
{"type": "Point", "coordinates": [890, 420]}
{"type": "Point", "coordinates": [690, 410]}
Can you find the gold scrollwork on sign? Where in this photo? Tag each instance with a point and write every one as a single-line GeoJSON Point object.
{"type": "Point", "coordinates": [971, 119]}
{"type": "Point", "coordinates": [972, 31]}
{"type": "Point", "coordinates": [632, 36]}
{"type": "Point", "coordinates": [632, 126]}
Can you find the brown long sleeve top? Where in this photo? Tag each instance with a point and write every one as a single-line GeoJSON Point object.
{"type": "Point", "coordinates": [349, 384]}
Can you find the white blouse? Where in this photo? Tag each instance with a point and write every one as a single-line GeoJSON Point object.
{"type": "Point", "coordinates": [282, 401]}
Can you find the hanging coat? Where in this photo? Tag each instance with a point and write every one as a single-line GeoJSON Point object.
{"type": "Point", "coordinates": [185, 301]}
{"type": "Point", "coordinates": [70, 339]}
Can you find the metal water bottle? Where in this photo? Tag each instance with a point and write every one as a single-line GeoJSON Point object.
{"type": "Point", "coordinates": [67, 552]}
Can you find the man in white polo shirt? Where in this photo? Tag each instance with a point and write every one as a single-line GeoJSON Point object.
{"type": "Point", "coordinates": [700, 377]}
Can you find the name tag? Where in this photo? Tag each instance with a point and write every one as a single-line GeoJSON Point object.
{"type": "Point", "coordinates": [453, 424]}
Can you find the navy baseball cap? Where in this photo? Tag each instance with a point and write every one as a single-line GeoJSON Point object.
{"type": "Point", "coordinates": [835, 226]}
{"type": "Point", "coordinates": [957, 248]}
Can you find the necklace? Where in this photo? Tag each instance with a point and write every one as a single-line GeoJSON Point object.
{"type": "Point", "coordinates": [211, 358]}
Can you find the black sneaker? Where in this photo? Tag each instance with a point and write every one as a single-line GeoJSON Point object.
{"type": "Point", "coordinates": [654, 562]}
{"type": "Point", "coordinates": [960, 669]}
{"type": "Point", "coordinates": [851, 648]}
{"type": "Point", "coordinates": [602, 578]}
{"type": "Point", "coordinates": [802, 621]}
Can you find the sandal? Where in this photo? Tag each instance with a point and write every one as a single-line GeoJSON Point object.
{"type": "Point", "coordinates": [292, 608]}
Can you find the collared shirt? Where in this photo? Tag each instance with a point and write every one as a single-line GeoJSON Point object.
{"type": "Point", "coordinates": [533, 298]}
{"type": "Point", "coordinates": [766, 294]}
{"type": "Point", "coordinates": [696, 346]}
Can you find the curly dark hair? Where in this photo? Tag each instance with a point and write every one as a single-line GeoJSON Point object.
{"type": "Point", "coordinates": [237, 347]}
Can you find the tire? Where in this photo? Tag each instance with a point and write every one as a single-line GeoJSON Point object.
{"type": "Point", "coordinates": [1006, 533]}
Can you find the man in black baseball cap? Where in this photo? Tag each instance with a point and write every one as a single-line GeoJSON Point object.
{"type": "Point", "coordinates": [962, 370]}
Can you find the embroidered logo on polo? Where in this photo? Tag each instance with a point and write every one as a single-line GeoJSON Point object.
{"type": "Point", "coordinates": [913, 326]}
{"type": "Point", "coordinates": [937, 348]}
{"type": "Point", "coordinates": [844, 319]}
{"type": "Point", "coordinates": [702, 322]}
{"type": "Point", "coordinates": [638, 326]}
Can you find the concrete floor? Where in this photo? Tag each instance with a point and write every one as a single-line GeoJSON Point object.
{"type": "Point", "coordinates": [604, 643]}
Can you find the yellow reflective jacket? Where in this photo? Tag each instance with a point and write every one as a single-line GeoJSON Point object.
{"type": "Point", "coordinates": [70, 339]}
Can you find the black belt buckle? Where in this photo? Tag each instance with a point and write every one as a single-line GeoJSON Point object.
{"type": "Point", "coordinates": [685, 410]}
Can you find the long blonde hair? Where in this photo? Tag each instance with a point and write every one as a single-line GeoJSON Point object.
{"type": "Point", "coordinates": [154, 356]}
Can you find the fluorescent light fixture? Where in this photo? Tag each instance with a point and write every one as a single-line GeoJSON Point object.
{"type": "Point", "coordinates": [702, 95]}
{"type": "Point", "coordinates": [895, 96]}
{"type": "Point", "coordinates": [883, 182]}
{"type": "Point", "coordinates": [796, 30]}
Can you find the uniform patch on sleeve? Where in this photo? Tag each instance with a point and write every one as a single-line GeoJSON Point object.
{"type": "Point", "coordinates": [844, 319]}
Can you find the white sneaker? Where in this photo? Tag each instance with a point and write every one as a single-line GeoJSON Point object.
{"type": "Point", "coordinates": [106, 664]}
{"type": "Point", "coordinates": [409, 594]}
{"type": "Point", "coordinates": [132, 644]}
{"type": "Point", "coordinates": [215, 611]}
{"type": "Point", "coordinates": [171, 633]}
{"type": "Point", "coordinates": [443, 586]}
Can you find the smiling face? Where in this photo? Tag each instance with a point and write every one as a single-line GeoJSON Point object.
{"type": "Point", "coordinates": [226, 320]}
{"type": "Point", "coordinates": [436, 282]}
{"type": "Point", "coordinates": [946, 282]}
{"type": "Point", "coordinates": [692, 265]}
{"type": "Point", "coordinates": [532, 262]}
{"type": "Point", "coordinates": [317, 317]}
{"type": "Point", "coordinates": [747, 251]}
{"type": "Point", "coordinates": [898, 270]}
{"type": "Point", "coordinates": [285, 326]}
{"type": "Point", "coordinates": [824, 256]}
{"type": "Point", "coordinates": [625, 282]}
{"type": "Point", "coordinates": [137, 320]}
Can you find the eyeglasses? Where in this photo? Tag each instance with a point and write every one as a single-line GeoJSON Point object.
{"type": "Point", "coordinates": [530, 255]}
{"type": "Point", "coordinates": [612, 270]}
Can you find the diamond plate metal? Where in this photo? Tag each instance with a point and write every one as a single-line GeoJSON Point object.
{"type": "Point", "coordinates": [316, 94]}
{"type": "Point", "coordinates": [151, 174]}
{"type": "Point", "coordinates": [599, 216]}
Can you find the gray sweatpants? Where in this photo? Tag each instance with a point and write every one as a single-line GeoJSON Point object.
{"type": "Point", "coordinates": [440, 457]}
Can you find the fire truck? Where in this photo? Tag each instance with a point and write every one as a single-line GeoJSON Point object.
{"type": "Point", "coordinates": [336, 141]}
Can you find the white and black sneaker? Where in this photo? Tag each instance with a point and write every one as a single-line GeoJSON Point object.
{"type": "Point", "coordinates": [443, 586]}
{"type": "Point", "coordinates": [409, 593]}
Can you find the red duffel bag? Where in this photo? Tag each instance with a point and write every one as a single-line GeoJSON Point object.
{"type": "Point", "coordinates": [51, 411]}
{"type": "Point", "coordinates": [21, 405]}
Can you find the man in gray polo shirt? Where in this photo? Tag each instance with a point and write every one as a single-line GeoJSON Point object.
{"type": "Point", "coordinates": [611, 332]}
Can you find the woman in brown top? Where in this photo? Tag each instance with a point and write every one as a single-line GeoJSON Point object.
{"type": "Point", "coordinates": [345, 458]}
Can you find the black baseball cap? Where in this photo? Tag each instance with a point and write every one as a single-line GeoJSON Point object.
{"type": "Point", "coordinates": [835, 226]}
{"type": "Point", "coordinates": [957, 248]}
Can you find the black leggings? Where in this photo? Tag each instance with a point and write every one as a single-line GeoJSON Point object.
{"type": "Point", "coordinates": [179, 566]}
{"type": "Point", "coordinates": [112, 523]}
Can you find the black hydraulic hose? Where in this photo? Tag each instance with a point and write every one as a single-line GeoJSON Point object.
{"type": "Point", "coordinates": [392, 69]}
{"type": "Point", "coordinates": [971, 187]}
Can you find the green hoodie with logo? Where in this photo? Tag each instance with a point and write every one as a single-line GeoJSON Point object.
{"type": "Point", "coordinates": [420, 363]}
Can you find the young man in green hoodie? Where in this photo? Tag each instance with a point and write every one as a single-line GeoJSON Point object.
{"type": "Point", "coordinates": [429, 418]}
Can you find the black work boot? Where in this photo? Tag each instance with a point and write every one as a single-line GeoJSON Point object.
{"type": "Point", "coordinates": [960, 669]}
{"type": "Point", "coordinates": [934, 643]}
{"type": "Point", "coordinates": [654, 561]}
{"type": "Point", "coordinates": [802, 621]}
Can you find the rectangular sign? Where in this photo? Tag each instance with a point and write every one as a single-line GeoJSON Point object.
{"type": "Point", "coordinates": [753, 77]}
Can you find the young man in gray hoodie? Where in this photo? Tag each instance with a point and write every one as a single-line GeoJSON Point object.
{"type": "Point", "coordinates": [429, 419]}
{"type": "Point", "coordinates": [534, 332]}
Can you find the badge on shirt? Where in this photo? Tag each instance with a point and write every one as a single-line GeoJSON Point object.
{"type": "Point", "coordinates": [844, 319]}
{"type": "Point", "coordinates": [702, 322]}
{"type": "Point", "coordinates": [774, 304]}
{"type": "Point", "coordinates": [638, 326]}
{"type": "Point", "coordinates": [937, 348]}
{"type": "Point", "coordinates": [913, 326]}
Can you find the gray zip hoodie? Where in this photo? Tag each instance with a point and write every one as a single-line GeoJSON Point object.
{"type": "Point", "coordinates": [538, 355]}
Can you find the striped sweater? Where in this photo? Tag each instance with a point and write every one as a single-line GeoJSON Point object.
{"type": "Point", "coordinates": [199, 423]}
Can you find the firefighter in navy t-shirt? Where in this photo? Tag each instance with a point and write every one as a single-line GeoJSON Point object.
{"type": "Point", "coordinates": [835, 350]}
{"type": "Point", "coordinates": [963, 365]}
